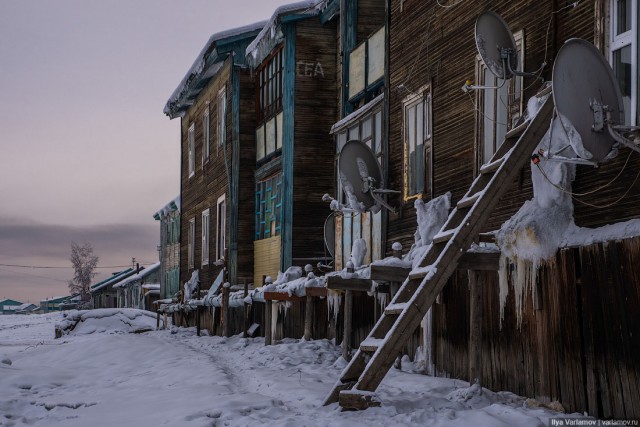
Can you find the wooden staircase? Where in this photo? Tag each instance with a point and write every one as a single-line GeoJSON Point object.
{"type": "Point", "coordinates": [402, 316]}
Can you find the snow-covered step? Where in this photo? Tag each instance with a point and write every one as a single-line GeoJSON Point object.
{"type": "Point", "coordinates": [396, 308]}
{"type": "Point", "coordinates": [358, 399]}
{"type": "Point", "coordinates": [444, 236]}
{"type": "Point", "coordinates": [467, 201]}
{"type": "Point", "coordinates": [491, 166]}
{"type": "Point", "coordinates": [518, 130]}
{"type": "Point", "coordinates": [370, 345]}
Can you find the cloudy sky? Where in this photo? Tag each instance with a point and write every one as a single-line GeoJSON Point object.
{"type": "Point", "coordinates": [86, 152]}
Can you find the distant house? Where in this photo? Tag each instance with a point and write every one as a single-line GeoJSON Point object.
{"type": "Point", "coordinates": [53, 303]}
{"type": "Point", "coordinates": [169, 217]}
{"type": "Point", "coordinates": [27, 308]}
{"type": "Point", "coordinates": [102, 293]}
{"type": "Point", "coordinates": [9, 306]}
{"type": "Point", "coordinates": [139, 290]}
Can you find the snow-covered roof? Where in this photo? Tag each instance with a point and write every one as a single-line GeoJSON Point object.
{"type": "Point", "coordinates": [359, 113]}
{"type": "Point", "coordinates": [54, 299]}
{"type": "Point", "coordinates": [206, 66]}
{"type": "Point", "coordinates": [271, 34]}
{"type": "Point", "coordinates": [113, 279]}
{"type": "Point", "coordinates": [173, 205]}
{"type": "Point", "coordinates": [138, 276]}
{"type": "Point", "coordinates": [151, 286]}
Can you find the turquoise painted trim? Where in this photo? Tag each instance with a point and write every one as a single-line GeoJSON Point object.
{"type": "Point", "coordinates": [349, 35]}
{"type": "Point", "coordinates": [288, 122]}
{"type": "Point", "coordinates": [332, 9]}
{"type": "Point", "coordinates": [234, 191]}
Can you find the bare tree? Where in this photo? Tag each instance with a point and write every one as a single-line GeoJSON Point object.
{"type": "Point", "coordinates": [84, 263]}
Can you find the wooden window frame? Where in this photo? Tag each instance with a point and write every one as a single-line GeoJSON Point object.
{"type": "Point", "coordinates": [205, 233]}
{"type": "Point", "coordinates": [221, 118]}
{"type": "Point", "coordinates": [272, 207]}
{"type": "Point", "coordinates": [191, 244]}
{"type": "Point", "coordinates": [618, 42]}
{"type": "Point", "coordinates": [221, 226]}
{"type": "Point", "coordinates": [269, 82]}
{"type": "Point", "coordinates": [424, 95]}
{"type": "Point", "coordinates": [206, 133]}
{"type": "Point", "coordinates": [191, 141]}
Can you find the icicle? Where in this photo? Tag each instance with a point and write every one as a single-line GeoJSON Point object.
{"type": "Point", "coordinates": [383, 299]}
{"type": "Point", "coordinates": [333, 303]}
{"type": "Point", "coordinates": [274, 319]}
{"type": "Point", "coordinates": [503, 277]}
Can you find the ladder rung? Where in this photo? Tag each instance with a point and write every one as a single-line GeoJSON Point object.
{"type": "Point", "coordinates": [465, 202]}
{"type": "Point", "coordinates": [492, 166]}
{"type": "Point", "coordinates": [396, 308]}
{"type": "Point", "coordinates": [444, 236]}
{"type": "Point", "coordinates": [370, 345]}
{"type": "Point", "coordinates": [420, 273]}
{"type": "Point", "coordinates": [516, 131]}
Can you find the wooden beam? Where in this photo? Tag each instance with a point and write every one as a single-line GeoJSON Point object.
{"type": "Point", "coordinates": [388, 273]}
{"type": "Point", "coordinates": [316, 292]}
{"type": "Point", "coordinates": [340, 284]}
{"type": "Point", "coordinates": [280, 296]}
{"type": "Point", "coordinates": [308, 318]}
{"type": "Point", "coordinates": [346, 339]}
{"type": "Point", "coordinates": [267, 322]}
{"type": "Point", "coordinates": [475, 328]}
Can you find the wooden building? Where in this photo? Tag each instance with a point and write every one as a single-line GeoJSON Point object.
{"type": "Point", "coordinates": [439, 136]}
{"type": "Point", "coordinates": [169, 248]}
{"type": "Point", "coordinates": [103, 295]}
{"type": "Point", "coordinates": [215, 103]}
{"type": "Point", "coordinates": [294, 70]}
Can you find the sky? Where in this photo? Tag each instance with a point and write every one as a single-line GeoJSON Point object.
{"type": "Point", "coordinates": [86, 153]}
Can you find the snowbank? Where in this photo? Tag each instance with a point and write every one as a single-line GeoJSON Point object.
{"type": "Point", "coordinates": [111, 320]}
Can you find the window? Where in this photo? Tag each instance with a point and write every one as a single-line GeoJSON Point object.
{"type": "Point", "coordinates": [192, 243]}
{"type": "Point", "coordinates": [366, 66]}
{"type": "Point", "coordinates": [417, 144]}
{"type": "Point", "coordinates": [222, 117]}
{"type": "Point", "coordinates": [269, 98]}
{"type": "Point", "coordinates": [221, 226]}
{"type": "Point", "coordinates": [268, 207]}
{"type": "Point", "coordinates": [499, 106]}
{"type": "Point", "coordinates": [624, 55]}
{"type": "Point", "coordinates": [206, 133]}
{"type": "Point", "coordinates": [192, 149]}
{"type": "Point", "coordinates": [205, 237]}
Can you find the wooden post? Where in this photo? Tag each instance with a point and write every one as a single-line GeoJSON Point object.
{"type": "Point", "coordinates": [346, 340]}
{"type": "Point", "coordinates": [157, 320]}
{"type": "Point", "coordinates": [308, 318]}
{"type": "Point", "coordinates": [475, 328]}
{"type": "Point", "coordinates": [267, 323]}
{"type": "Point", "coordinates": [198, 320]}
{"type": "Point", "coordinates": [164, 320]}
{"type": "Point", "coordinates": [246, 310]}
{"type": "Point", "coordinates": [226, 331]}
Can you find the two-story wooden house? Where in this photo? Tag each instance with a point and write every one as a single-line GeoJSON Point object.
{"type": "Point", "coordinates": [215, 103]}
{"type": "Point", "coordinates": [169, 248]}
{"type": "Point", "coordinates": [294, 69]}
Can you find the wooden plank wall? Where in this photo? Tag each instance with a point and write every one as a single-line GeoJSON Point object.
{"type": "Point", "coordinates": [580, 349]}
{"type": "Point", "coordinates": [315, 112]}
{"type": "Point", "coordinates": [267, 258]}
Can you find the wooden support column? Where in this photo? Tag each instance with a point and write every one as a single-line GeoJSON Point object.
{"type": "Point", "coordinates": [164, 320]}
{"type": "Point", "coordinates": [348, 309]}
{"type": "Point", "coordinates": [157, 320]}
{"type": "Point", "coordinates": [475, 328]}
{"type": "Point", "coordinates": [308, 318]}
{"type": "Point", "coordinates": [198, 320]}
{"type": "Point", "coordinates": [267, 322]}
{"type": "Point", "coordinates": [246, 311]}
{"type": "Point", "coordinates": [226, 330]}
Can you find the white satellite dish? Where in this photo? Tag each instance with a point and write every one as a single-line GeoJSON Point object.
{"type": "Point", "coordinates": [361, 178]}
{"type": "Point", "coordinates": [585, 91]}
{"type": "Point", "coordinates": [497, 48]}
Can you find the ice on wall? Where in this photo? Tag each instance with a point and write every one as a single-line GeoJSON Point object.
{"type": "Point", "coordinates": [534, 234]}
{"type": "Point", "coordinates": [191, 284]}
{"type": "Point", "coordinates": [431, 217]}
{"type": "Point", "coordinates": [358, 252]}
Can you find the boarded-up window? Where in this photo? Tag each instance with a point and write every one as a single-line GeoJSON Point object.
{"type": "Point", "coordinates": [375, 55]}
{"type": "Point", "coordinates": [357, 70]}
{"type": "Point", "coordinates": [417, 144]}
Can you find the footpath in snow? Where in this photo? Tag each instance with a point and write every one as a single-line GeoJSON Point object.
{"type": "Point", "coordinates": [104, 376]}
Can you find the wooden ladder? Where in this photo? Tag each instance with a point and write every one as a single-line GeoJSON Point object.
{"type": "Point", "coordinates": [361, 377]}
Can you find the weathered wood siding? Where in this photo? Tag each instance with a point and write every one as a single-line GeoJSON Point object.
{"type": "Point", "coordinates": [371, 16]}
{"type": "Point", "coordinates": [315, 111]}
{"type": "Point", "coordinates": [580, 348]}
{"type": "Point", "coordinates": [431, 44]}
{"type": "Point", "coordinates": [266, 258]}
{"type": "Point", "coordinates": [210, 181]}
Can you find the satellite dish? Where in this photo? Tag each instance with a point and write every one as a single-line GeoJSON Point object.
{"type": "Point", "coordinates": [360, 174]}
{"type": "Point", "coordinates": [587, 93]}
{"type": "Point", "coordinates": [330, 234]}
{"type": "Point", "coordinates": [496, 45]}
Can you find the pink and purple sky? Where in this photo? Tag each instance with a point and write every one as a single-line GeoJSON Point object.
{"type": "Point", "coordinates": [86, 152]}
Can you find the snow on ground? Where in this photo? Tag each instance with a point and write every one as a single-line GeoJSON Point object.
{"type": "Point", "coordinates": [172, 377]}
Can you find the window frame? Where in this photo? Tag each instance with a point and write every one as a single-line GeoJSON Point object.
{"type": "Point", "coordinates": [191, 244]}
{"type": "Point", "coordinates": [191, 141]}
{"type": "Point", "coordinates": [269, 104]}
{"type": "Point", "coordinates": [620, 41]}
{"type": "Point", "coordinates": [424, 96]}
{"type": "Point", "coordinates": [513, 110]}
{"type": "Point", "coordinates": [221, 226]}
{"type": "Point", "coordinates": [205, 234]}
{"type": "Point", "coordinates": [268, 207]}
{"type": "Point", "coordinates": [206, 133]}
{"type": "Point", "coordinates": [221, 118]}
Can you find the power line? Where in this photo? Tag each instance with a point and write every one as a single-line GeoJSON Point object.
{"type": "Point", "coordinates": [51, 266]}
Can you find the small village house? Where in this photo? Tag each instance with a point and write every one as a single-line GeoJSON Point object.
{"type": "Point", "coordinates": [103, 295]}
{"type": "Point", "coordinates": [169, 248]}
{"type": "Point", "coordinates": [9, 306]}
